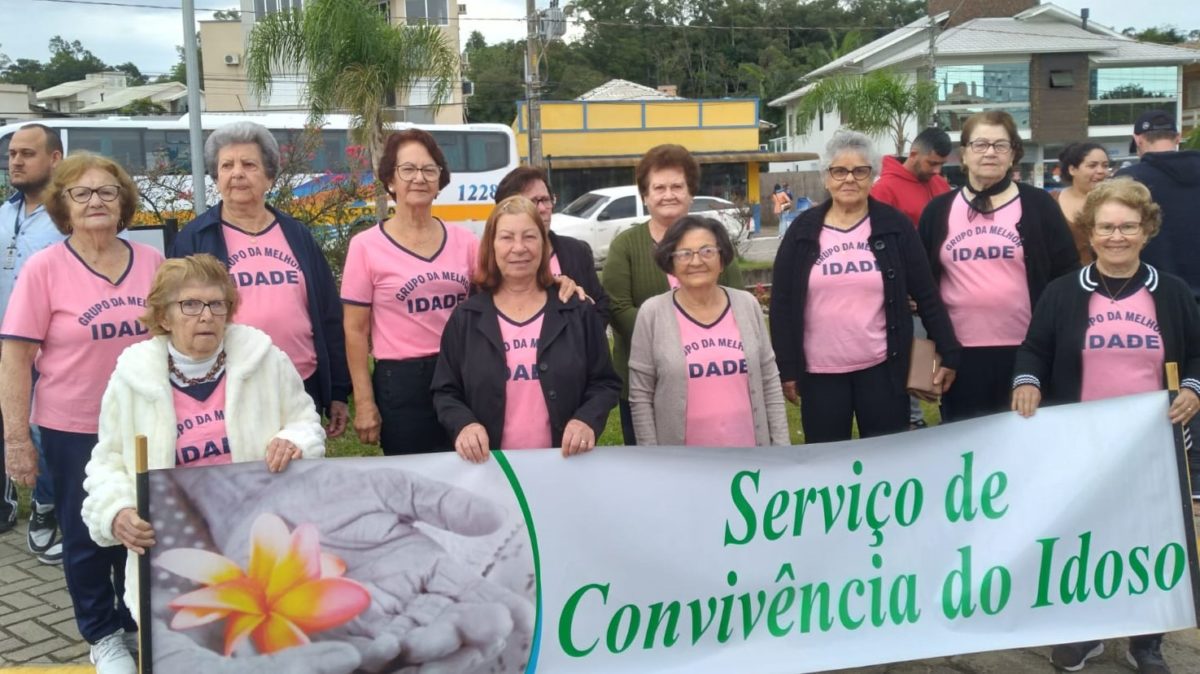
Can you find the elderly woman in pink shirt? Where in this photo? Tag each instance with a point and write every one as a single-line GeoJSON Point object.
{"type": "Point", "coordinates": [701, 367]}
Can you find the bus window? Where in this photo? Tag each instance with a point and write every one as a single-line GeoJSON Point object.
{"type": "Point", "coordinates": [486, 151]}
{"type": "Point", "coordinates": [4, 152]}
{"type": "Point", "coordinates": [123, 146]}
{"type": "Point", "coordinates": [168, 152]}
{"type": "Point", "coordinates": [455, 150]}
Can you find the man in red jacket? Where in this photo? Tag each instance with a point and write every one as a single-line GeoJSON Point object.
{"type": "Point", "coordinates": [910, 185]}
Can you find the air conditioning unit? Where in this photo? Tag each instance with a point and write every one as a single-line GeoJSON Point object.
{"type": "Point", "coordinates": [468, 88]}
{"type": "Point", "coordinates": [462, 9]}
{"type": "Point", "coordinates": [232, 59]}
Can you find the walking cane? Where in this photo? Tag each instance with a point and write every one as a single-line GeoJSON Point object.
{"type": "Point", "coordinates": [145, 655]}
{"type": "Point", "coordinates": [1185, 485]}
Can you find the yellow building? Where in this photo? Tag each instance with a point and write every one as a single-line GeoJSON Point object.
{"type": "Point", "coordinates": [596, 140]}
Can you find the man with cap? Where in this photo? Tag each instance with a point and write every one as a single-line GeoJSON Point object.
{"type": "Point", "coordinates": [1173, 177]}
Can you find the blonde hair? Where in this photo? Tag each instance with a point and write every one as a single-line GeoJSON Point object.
{"type": "Point", "coordinates": [200, 269]}
{"type": "Point", "coordinates": [487, 275]}
{"type": "Point", "coordinates": [1127, 192]}
{"type": "Point", "coordinates": [55, 198]}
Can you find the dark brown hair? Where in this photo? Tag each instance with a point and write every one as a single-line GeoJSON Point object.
{"type": "Point", "coordinates": [387, 162]}
{"type": "Point", "coordinates": [487, 275]}
{"type": "Point", "coordinates": [668, 156]}
{"type": "Point", "coordinates": [518, 179]}
{"type": "Point", "coordinates": [995, 118]}
{"type": "Point", "coordinates": [68, 171]}
{"type": "Point", "coordinates": [675, 233]}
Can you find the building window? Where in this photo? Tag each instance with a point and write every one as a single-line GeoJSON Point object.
{"type": "Point", "coordinates": [1119, 95]}
{"type": "Point", "coordinates": [436, 12]}
{"type": "Point", "coordinates": [987, 83]}
{"type": "Point", "coordinates": [264, 7]}
{"type": "Point", "coordinates": [952, 118]}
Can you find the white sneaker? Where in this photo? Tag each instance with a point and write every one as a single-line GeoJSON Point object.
{"type": "Point", "coordinates": [111, 657]}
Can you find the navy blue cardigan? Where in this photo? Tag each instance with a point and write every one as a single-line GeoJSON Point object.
{"type": "Point", "coordinates": [204, 235]}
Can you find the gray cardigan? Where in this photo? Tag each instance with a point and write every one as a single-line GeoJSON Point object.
{"type": "Point", "coordinates": [658, 373]}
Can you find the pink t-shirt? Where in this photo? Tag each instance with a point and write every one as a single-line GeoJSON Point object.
{"type": "Point", "coordinates": [845, 328]}
{"type": "Point", "coordinates": [83, 322]}
{"type": "Point", "coordinates": [526, 419]}
{"type": "Point", "coordinates": [555, 267]}
{"type": "Point", "coordinates": [1122, 350]}
{"type": "Point", "coordinates": [272, 292]}
{"type": "Point", "coordinates": [718, 385]}
{"type": "Point", "coordinates": [201, 439]}
{"type": "Point", "coordinates": [984, 285]}
{"type": "Point", "coordinates": [411, 297]}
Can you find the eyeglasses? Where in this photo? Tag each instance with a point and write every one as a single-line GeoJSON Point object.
{"type": "Point", "coordinates": [1125, 228]}
{"type": "Point", "coordinates": [840, 172]}
{"type": "Point", "coordinates": [82, 195]}
{"type": "Point", "coordinates": [706, 253]}
{"type": "Point", "coordinates": [543, 201]}
{"type": "Point", "coordinates": [196, 307]}
{"type": "Point", "coordinates": [408, 172]}
{"type": "Point", "coordinates": [980, 146]}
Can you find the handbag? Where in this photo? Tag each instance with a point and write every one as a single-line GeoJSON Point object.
{"type": "Point", "coordinates": [922, 365]}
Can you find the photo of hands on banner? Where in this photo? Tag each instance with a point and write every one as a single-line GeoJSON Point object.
{"type": "Point", "coordinates": [338, 566]}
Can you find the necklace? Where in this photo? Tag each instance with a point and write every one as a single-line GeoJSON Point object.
{"type": "Point", "coordinates": [1112, 297]}
{"type": "Point", "coordinates": [188, 381]}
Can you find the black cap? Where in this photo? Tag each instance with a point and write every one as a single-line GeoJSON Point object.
{"type": "Point", "coordinates": [1154, 120]}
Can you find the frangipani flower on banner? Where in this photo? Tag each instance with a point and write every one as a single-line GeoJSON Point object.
{"type": "Point", "coordinates": [289, 591]}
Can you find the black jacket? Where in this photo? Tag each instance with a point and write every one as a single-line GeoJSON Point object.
{"type": "Point", "coordinates": [578, 264]}
{"type": "Point", "coordinates": [575, 370]}
{"type": "Point", "coordinates": [204, 235]}
{"type": "Point", "coordinates": [1174, 182]}
{"type": "Point", "coordinates": [905, 273]}
{"type": "Point", "coordinates": [1045, 237]}
{"type": "Point", "coordinates": [1051, 357]}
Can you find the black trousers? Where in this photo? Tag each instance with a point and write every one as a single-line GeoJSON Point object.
{"type": "Point", "coordinates": [829, 402]}
{"type": "Point", "coordinates": [410, 424]}
{"type": "Point", "coordinates": [982, 385]}
{"type": "Point", "coordinates": [627, 433]}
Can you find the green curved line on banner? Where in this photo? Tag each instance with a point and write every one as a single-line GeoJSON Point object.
{"type": "Point", "coordinates": [537, 563]}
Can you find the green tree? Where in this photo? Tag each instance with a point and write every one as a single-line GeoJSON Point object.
{"type": "Point", "coordinates": [143, 106]}
{"type": "Point", "coordinates": [227, 15]}
{"type": "Point", "coordinates": [354, 60]}
{"type": "Point", "coordinates": [877, 103]}
{"type": "Point", "coordinates": [496, 70]}
{"type": "Point", "coordinates": [133, 76]}
{"type": "Point", "coordinates": [1158, 34]}
{"type": "Point", "coordinates": [69, 61]}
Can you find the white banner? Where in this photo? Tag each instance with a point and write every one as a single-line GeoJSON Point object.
{"type": "Point", "coordinates": [991, 534]}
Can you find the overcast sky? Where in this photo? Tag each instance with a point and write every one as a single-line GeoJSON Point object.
{"type": "Point", "coordinates": [147, 36]}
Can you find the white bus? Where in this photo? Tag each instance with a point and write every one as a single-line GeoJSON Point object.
{"type": "Point", "coordinates": [156, 152]}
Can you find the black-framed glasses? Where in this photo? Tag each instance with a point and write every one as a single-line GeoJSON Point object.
{"type": "Point", "coordinates": [196, 307]}
{"type": "Point", "coordinates": [543, 201]}
{"type": "Point", "coordinates": [408, 172]}
{"type": "Point", "coordinates": [840, 172]}
{"type": "Point", "coordinates": [980, 146]}
{"type": "Point", "coordinates": [706, 253]}
{"type": "Point", "coordinates": [82, 195]}
{"type": "Point", "coordinates": [1125, 228]}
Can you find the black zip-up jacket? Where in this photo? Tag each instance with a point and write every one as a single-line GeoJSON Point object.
{"type": "Point", "coordinates": [905, 271]}
{"type": "Point", "coordinates": [578, 264]}
{"type": "Point", "coordinates": [574, 368]}
{"type": "Point", "coordinates": [204, 235]}
{"type": "Point", "coordinates": [1045, 237]}
{"type": "Point", "coordinates": [1051, 357]}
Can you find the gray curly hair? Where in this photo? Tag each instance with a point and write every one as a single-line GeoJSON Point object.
{"type": "Point", "coordinates": [851, 141]}
{"type": "Point", "coordinates": [242, 132]}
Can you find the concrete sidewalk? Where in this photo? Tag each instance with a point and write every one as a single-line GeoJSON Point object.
{"type": "Point", "coordinates": [37, 625]}
{"type": "Point", "coordinates": [38, 635]}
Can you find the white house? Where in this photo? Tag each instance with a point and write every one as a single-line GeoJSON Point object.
{"type": "Point", "coordinates": [73, 96]}
{"type": "Point", "coordinates": [1063, 78]}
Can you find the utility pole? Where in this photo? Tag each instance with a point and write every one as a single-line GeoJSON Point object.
{"type": "Point", "coordinates": [195, 136]}
{"type": "Point", "coordinates": [931, 64]}
{"type": "Point", "coordinates": [533, 108]}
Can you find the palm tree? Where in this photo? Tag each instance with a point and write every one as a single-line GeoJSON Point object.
{"type": "Point", "coordinates": [876, 103]}
{"type": "Point", "coordinates": [354, 59]}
